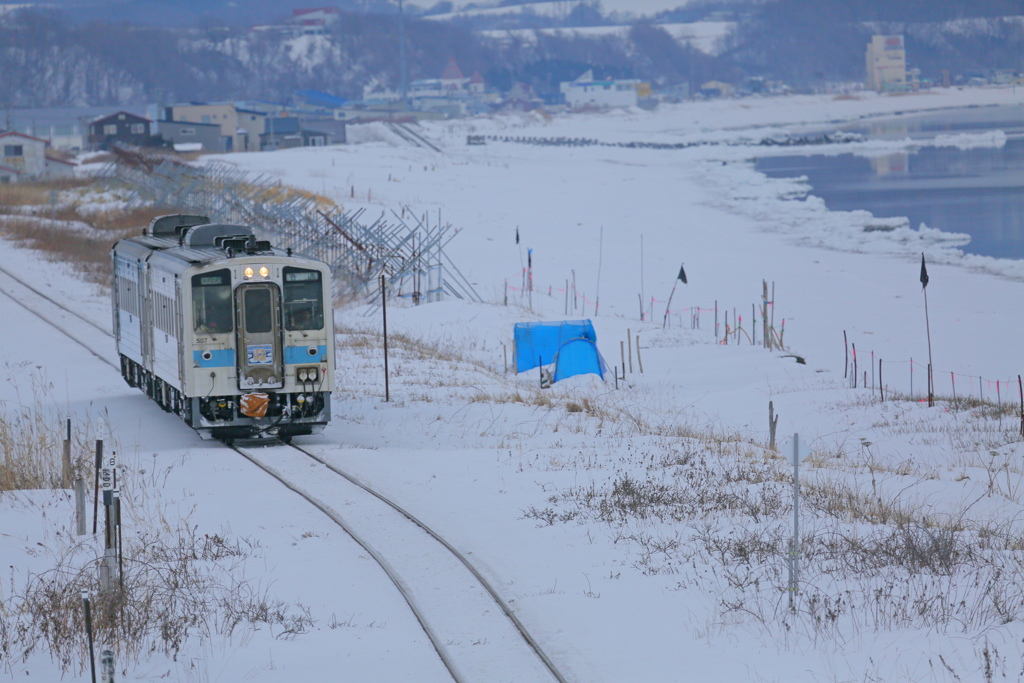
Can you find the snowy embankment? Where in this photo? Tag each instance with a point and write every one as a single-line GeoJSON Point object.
{"type": "Point", "coordinates": [640, 532]}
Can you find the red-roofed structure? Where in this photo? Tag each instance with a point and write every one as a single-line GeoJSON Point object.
{"type": "Point", "coordinates": [476, 83]}
{"type": "Point", "coordinates": [452, 72]}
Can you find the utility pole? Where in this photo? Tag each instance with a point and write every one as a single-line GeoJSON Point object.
{"type": "Point", "coordinates": [401, 50]}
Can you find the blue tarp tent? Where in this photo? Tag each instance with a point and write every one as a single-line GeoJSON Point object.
{"type": "Point", "coordinates": [578, 357]}
{"type": "Point", "coordinates": [571, 344]}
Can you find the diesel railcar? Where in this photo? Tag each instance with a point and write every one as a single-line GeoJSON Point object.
{"type": "Point", "coordinates": [230, 334]}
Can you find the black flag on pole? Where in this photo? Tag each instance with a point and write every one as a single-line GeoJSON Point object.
{"type": "Point", "coordinates": [924, 273]}
{"type": "Point", "coordinates": [517, 234]}
{"type": "Point", "coordinates": [682, 275]}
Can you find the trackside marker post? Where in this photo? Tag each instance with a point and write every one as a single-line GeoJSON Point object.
{"type": "Point", "coordinates": [100, 432]}
{"type": "Point", "coordinates": [108, 480]}
{"type": "Point", "coordinates": [799, 452]}
{"type": "Point", "coordinates": [88, 631]}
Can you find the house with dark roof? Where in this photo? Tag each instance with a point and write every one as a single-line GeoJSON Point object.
{"type": "Point", "coordinates": [121, 129]}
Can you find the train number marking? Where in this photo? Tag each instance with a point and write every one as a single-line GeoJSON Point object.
{"type": "Point", "coordinates": [260, 354]}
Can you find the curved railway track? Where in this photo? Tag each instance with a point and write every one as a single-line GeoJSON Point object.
{"type": "Point", "coordinates": [473, 630]}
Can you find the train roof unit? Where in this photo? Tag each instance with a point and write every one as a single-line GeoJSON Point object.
{"type": "Point", "coordinates": [193, 240]}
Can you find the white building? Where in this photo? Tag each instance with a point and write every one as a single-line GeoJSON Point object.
{"type": "Point", "coordinates": [886, 63]}
{"type": "Point", "coordinates": [586, 92]}
{"type": "Point", "coordinates": [240, 128]}
{"type": "Point", "coordinates": [23, 157]}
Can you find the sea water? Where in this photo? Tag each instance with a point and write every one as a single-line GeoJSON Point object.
{"type": "Point", "coordinates": [975, 188]}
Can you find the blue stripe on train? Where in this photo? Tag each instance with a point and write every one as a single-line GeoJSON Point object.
{"type": "Point", "coordinates": [221, 358]}
{"type": "Point", "coordinates": [300, 354]}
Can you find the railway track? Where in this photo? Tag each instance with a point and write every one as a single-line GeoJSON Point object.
{"type": "Point", "coordinates": [58, 321]}
{"type": "Point", "coordinates": [473, 630]}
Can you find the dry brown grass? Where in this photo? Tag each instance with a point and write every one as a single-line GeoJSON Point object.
{"type": "Point", "coordinates": [31, 444]}
{"type": "Point", "coordinates": [32, 193]}
{"type": "Point", "coordinates": [89, 253]}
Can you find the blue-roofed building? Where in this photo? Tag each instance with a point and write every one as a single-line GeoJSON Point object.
{"type": "Point", "coordinates": [317, 100]}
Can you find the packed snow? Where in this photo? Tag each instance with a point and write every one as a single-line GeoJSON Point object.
{"type": "Point", "coordinates": [638, 527]}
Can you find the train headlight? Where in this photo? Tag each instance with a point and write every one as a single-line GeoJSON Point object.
{"type": "Point", "coordinates": [264, 272]}
{"type": "Point", "coordinates": [303, 375]}
{"type": "Point", "coordinates": [247, 272]}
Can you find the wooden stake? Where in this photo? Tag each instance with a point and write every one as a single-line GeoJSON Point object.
{"type": "Point", "coordinates": [65, 476]}
{"type": "Point", "coordinates": [629, 334]}
{"type": "Point", "coordinates": [764, 317]}
{"type": "Point", "coordinates": [854, 365]}
{"type": "Point", "coordinates": [638, 361]}
{"type": "Point", "coordinates": [881, 385]}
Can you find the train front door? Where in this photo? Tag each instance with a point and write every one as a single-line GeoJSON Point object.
{"type": "Point", "coordinates": [258, 316]}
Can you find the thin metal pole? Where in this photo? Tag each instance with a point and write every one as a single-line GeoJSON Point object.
{"type": "Point", "coordinates": [928, 325]}
{"type": "Point", "coordinates": [999, 397]}
{"type": "Point", "coordinates": [846, 358]}
{"type": "Point", "coordinates": [401, 50]}
{"type": "Point", "coordinates": [795, 550]}
{"type": "Point", "coordinates": [384, 311]}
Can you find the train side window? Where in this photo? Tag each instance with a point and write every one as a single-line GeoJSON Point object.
{"type": "Point", "coordinates": [211, 302]}
{"type": "Point", "coordinates": [303, 299]}
{"type": "Point", "coordinates": [257, 311]}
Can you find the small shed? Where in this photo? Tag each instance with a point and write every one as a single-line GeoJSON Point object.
{"type": "Point", "coordinates": [59, 168]}
{"type": "Point", "coordinates": [8, 175]}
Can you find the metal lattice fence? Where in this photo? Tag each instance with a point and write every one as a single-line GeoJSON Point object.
{"type": "Point", "coordinates": [408, 249]}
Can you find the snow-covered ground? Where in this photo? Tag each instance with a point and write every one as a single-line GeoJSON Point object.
{"type": "Point", "coordinates": [640, 533]}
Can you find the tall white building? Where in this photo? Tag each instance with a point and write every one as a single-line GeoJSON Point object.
{"type": "Point", "coordinates": [887, 63]}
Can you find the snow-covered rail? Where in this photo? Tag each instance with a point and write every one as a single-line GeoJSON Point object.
{"type": "Point", "coordinates": [42, 306]}
{"type": "Point", "coordinates": [473, 630]}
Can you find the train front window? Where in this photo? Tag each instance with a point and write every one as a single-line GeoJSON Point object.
{"type": "Point", "coordinates": [211, 302]}
{"type": "Point", "coordinates": [303, 299]}
{"type": "Point", "coordinates": [257, 311]}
